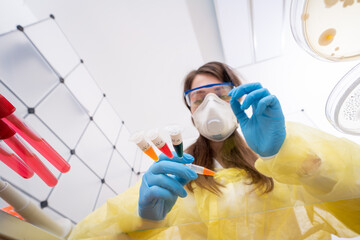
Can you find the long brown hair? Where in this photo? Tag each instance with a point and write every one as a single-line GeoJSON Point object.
{"type": "Point", "coordinates": [234, 153]}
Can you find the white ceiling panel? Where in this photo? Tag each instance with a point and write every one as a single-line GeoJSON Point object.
{"type": "Point", "coordinates": [76, 193]}
{"type": "Point", "coordinates": [23, 69]}
{"type": "Point", "coordinates": [234, 22]}
{"type": "Point", "coordinates": [84, 88]}
{"type": "Point", "coordinates": [53, 46]}
{"type": "Point", "coordinates": [64, 115]}
{"type": "Point", "coordinates": [94, 149]}
{"type": "Point", "coordinates": [108, 120]}
{"type": "Point", "coordinates": [268, 27]}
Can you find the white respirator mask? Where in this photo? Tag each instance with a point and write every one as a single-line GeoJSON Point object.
{"type": "Point", "coordinates": [214, 118]}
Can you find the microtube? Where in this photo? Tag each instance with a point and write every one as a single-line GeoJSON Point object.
{"type": "Point", "coordinates": [176, 139]}
{"type": "Point", "coordinates": [159, 142]}
{"type": "Point", "coordinates": [140, 141]}
{"type": "Point", "coordinates": [200, 170]}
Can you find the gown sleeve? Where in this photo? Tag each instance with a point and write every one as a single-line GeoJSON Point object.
{"type": "Point", "coordinates": [326, 167]}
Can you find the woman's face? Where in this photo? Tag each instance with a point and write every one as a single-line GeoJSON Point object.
{"type": "Point", "coordinates": [202, 80]}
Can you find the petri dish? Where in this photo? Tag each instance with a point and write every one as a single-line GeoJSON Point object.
{"type": "Point", "coordinates": [343, 104]}
{"type": "Point", "coordinates": [327, 29]}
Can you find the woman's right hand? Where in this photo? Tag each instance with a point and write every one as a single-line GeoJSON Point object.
{"type": "Point", "coordinates": [159, 191]}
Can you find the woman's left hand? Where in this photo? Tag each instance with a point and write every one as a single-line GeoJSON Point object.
{"type": "Point", "coordinates": [264, 131]}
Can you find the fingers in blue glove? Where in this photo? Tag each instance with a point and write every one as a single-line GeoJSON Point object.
{"type": "Point", "coordinates": [239, 113]}
{"type": "Point", "coordinates": [254, 97]}
{"type": "Point", "coordinates": [265, 102]}
{"type": "Point", "coordinates": [155, 193]}
{"type": "Point", "coordinates": [162, 184]}
{"type": "Point", "coordinates": [241, 90]}
{"type": "Point", "coordinates": [187, 158]}
{"type": "Point", "coordinates": [174, 168]}
{"type": "Point", "coordinates": [182, 181]}
{"type": "Point", "coordinates": [237, 93]}
{"type": "Point", "coordinates": [166, 182]}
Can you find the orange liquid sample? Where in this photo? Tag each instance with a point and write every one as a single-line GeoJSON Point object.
{"type": "Point", "coordinates": [208, 172]}
{"type": "Point", "coordinates": [151, 153]}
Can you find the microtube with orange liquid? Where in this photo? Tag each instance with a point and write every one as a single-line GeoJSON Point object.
{"type": "Point", "coordinates": [200, 170]}
{"type": "Point", "coordinates": [139, 139]}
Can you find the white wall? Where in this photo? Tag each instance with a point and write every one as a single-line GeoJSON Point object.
{"type": "Point", "coordinates": [206, 29]}
{"type": "Point", "coordinates": [148, 47]}
{"type": "Point", "coordinates": [13, 13]}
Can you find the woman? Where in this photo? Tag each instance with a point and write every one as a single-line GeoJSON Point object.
{"type": "Point", "coordinates": [283, 183]}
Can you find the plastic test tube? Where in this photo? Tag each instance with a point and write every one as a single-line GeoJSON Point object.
{"type": "Point", "coordinates": [15, 163]}
{"type": "Point", "coordinates": [176, 139]}
{"type": "Point", "coordinates": [32, 213]}
{"type": "Point", "coordinates": [139, 139]}
{"type": "Point", "coordinates": [200, 170]}
{"type": "Point", "coordinates": [160, 143]}
{"type": "Point", "coordinates": [6, 113]}
{"type": "Point", "coordinates": [16, 144]}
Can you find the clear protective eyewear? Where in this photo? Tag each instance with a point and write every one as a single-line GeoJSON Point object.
{"type": "Point", "coordinates": [194, 97]}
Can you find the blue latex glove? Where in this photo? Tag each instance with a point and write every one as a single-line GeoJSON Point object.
{"type": "Point", "coordinates": [264, 131]}
{"type": "Point", "coordinates": [159, 191]}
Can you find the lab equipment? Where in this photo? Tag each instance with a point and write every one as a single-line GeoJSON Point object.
{"type": "Point", "coordinates": [33, 214]}
{"type": "Point", "coordinates": [159, 191]}
{"type": "Point", "coordinates": [194, 97]}
{"type": "Point", "coordinates": [15, 163]}
{"type": "Point", "coordinates": [19, 147]}
{"type": "Point", "coordinates": [159, 142]}
{"type": "Point", "coordinates": [214, 118]}
{"type": "Point", "coordinates": [176, 139]}
{"type": "Point", "coordinates": [200, 170]}
{"type": "Point", "coordinates": [343, 104]}
{"type": "Point", "coordinates": [139, 139]}
{"type": "Point", "coordinates": [336, 37]}
{"type": "Point", "coordinates": [299, 207]}
{"type": "Point", "coordinates": [31, 136]}
{"type": "Point", "coordinates": [9, 209]}
{"type": "Point", "coordinates": [264, 131]}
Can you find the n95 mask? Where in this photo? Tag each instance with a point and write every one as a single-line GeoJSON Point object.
{"type": "Point", "coordinates": [214, 118]}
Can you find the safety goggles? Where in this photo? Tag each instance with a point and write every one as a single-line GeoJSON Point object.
{"type": "Point", "coordinates": [194, 97]}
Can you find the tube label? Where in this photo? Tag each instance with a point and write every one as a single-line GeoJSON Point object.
{"type": "Point", "coordinates": [176, 139]}
{"type": "Point", "coordinates": [143, 145]}
{"type": "Point", "coordinates": [159, 142]}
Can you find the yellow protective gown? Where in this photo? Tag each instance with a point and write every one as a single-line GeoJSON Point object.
{"type": "Point", "coordinates": [316, 194]}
